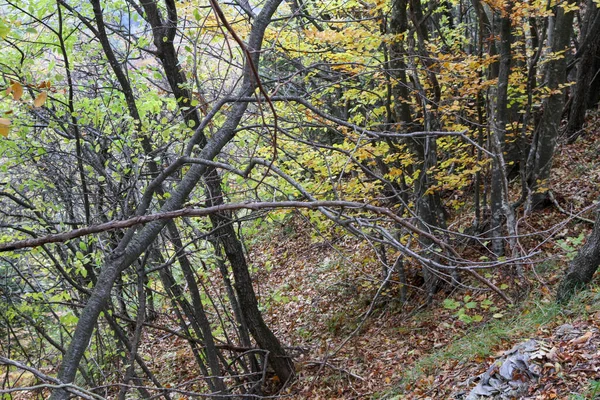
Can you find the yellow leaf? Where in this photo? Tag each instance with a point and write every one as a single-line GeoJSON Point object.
{"type": "Point", "coordinates": [4, 126]}
{"type": "Point", "coordinates": [40, 99]}
{"type": "Point", "coordinates": [17, 90]}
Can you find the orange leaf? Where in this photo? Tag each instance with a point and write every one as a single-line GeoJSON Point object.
{"type": "Point", "coordinates": [582, 339]}
{"type": "Point", "coordinates": [40, 99]}
{"type": "Point", "coordinates": [17, 90]}
{"type": "Point", "coordinates": [4, 126]}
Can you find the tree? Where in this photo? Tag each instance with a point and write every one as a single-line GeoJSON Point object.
{"type": "Point", "coordinates": [499, 120]}
{"type": "Point", "coordinates": [143, 139]}
{"type": "Point", "coordinates": [585, 92]}
{"type": "Point", "coordinates": [546, 136]}
{"type": "Point", "coordinates": [581, 270]}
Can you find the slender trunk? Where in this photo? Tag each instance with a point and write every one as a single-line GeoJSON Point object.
{"type": "Point", "coordinates": [428, 206]}
{"type": "Point", "coordinates": [232, 246]}
{"type": "Point", "coordinates": [135, 243]}
{"type": "Point", "coordinates": [198, 313]}
{"type": "Point", "coordinates": [281, 363]}
{"type": "Point", "coordinates": [242, 326]}
{"type": "Point", "coordinates": [499, 118]}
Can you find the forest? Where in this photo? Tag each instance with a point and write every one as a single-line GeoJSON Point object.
{"type": "Point", "coordinates": [341, 199]}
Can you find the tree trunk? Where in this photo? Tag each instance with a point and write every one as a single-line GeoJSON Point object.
{"type": "Point", "coordinates": [498, 120]}
{"type": "Point", "coordinates": [277, 358]}
{"type": "Point", "coordinates": [224, 231]}
{"type": "Point", "coordinates": [429, 208]}
{"type": "Point", "coordinates": [199, 315]}
{"type": "Point", "coordinates": [584, 265]}
{"type": "Point", "coordinates": [398, 26]}
{"type": "Point", "coordinates": [587, 72]}
{"type": "Point", "coordinates": [134, 244]}
{"type": "Point", "coordinates": [546, 136]}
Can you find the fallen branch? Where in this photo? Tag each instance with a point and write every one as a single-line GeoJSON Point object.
{"type": "Point", "coordinates": [562, 210]}
{"type": "Point", "coordinates": [322, 364]}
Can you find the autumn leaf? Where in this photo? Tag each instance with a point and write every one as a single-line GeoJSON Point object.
{"type": "Point", "coordinates": [582, 339]}
{"type": "Point", "coordinates": [17, 90]}
{"type": "Point", "coordinates": [4, 126]}
{"type": "Point", "coordinates": [40, 99]}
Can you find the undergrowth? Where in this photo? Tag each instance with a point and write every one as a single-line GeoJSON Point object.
{"type": "Point", "coordinates": [534, 318]}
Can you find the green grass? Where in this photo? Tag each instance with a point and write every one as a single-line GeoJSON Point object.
{"type": "Point", "coordinates": [592, 392]}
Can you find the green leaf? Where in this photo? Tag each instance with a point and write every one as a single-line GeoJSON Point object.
{"type": "Point", "coordinates": [471, 305]}
{"type": "Point", "coordinates": [4, 30]}
{"type": "Point", "coordinates": [69, 319]}
{"type": "Point", "coordinates": [451, 304]}
{"type": "Point", "coordinates": [465, 318]}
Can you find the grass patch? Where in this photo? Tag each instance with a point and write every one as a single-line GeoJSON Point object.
{"type": "Point", "coordinates": [592, 392]}
{"type": "Point", "coordinates": [482, 341]}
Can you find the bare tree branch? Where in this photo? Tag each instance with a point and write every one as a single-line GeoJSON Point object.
{"type": "Point", "coordinates": [55, 382]}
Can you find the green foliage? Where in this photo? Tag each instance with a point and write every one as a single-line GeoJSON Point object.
{"type": "Point", "coordinates": [571, 245]}
{"type": "Point", "coordinates": [468, 310]}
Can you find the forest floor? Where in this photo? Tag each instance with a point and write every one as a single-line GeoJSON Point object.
{"type": "Point", "coordinates": [317, 290]}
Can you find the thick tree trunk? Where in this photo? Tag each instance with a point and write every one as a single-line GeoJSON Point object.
{"type": "Point", "coordinates": [429, 208]}
{"type": "Point", "coordinates": [546, 136]}
{"type": "Point", "coordinates": [587, 72]}
{"type": "Point", "coordinates": [584, 265]}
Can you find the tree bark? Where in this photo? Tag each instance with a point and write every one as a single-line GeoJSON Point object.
{"type": "Point", "coordinates": [224, 231]}
{"type": "Point", "coordinates": [278, 359]}
{"type": "Point", "coordinates": [546, 135]}
{"type": "Point", "coordinates": [429, 208]}
{"type": "Point", "coordinates": [581, 270]}
{"type": "Point", "coordinates": [499, 119]}
{"type": "Point", "coordinates": [587, 72]}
